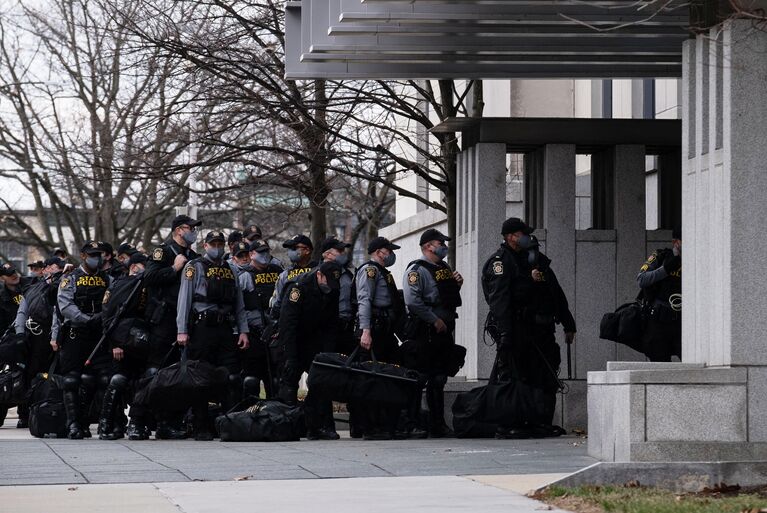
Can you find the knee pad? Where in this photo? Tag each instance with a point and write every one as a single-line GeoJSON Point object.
{"type": "Point", "coordinates": [88, 380]}
{"type": "Point", "coordinates": [118, 382]}
{"type": "Point", "coordinates": [251, 385]}
{"type": "Point", "coordinates": [72, 382]}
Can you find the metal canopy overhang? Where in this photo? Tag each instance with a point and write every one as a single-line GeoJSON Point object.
{"type": "Point", "coordinates": [588, 134]}
{"type": "Point", "coordinates": [383, 39]}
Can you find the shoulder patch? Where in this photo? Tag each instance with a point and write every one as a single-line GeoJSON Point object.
{"type": "Point", "coordinates": [295, 295]}
{"type": "Point", "coordinates": [189, 273]}
{"type": "Point", "coordinates": [64, 283]}
{"type": "Point", "coordinates": [106, 297]}
{"type": "Point", "coordinates": [371, 272]}
{"type": "Point", "coordinates": [157, 254]}
{"type": "Point", "coordinates": [498, 268]}
{"type": "Point", "coordinates": [412, 277]}
{"type": "Point", "coordinates": [651, 259]}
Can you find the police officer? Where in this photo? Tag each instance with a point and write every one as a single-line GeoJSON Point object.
{"type": "Point", "coordinates": [128, 343]}
{"type": "Point", "coordinates": [253, 233]}
{"type": "Point", "coordinates": [33, 324]}
{"type": "Point", "coordinates": [163, 279]}
{"type": "Point", "coordinates": [124, 252]}
{"type": "Point", "coordinates": [36, 270]}
{"type": "Point", "coordinates": [257, 281]}
{"type": "Point", "coordinates": [232, 240]}
{"type": "Point", "coordinates": [309, 325]}
{"type": "Point", "coordinates": [10, 299]}
{"type": "Point", "coordinates": [112, 266]}
{"type": "Point", "coordinates": [300, 249]}
{"type": "Point", "coordinates": [80, 300]}
{"type": "Point", "coordinates": [210, 310]}
{"type": "Point", "coordinates": [379, 309]}
{"type": "Point", "coordinates": [333, 250]}
{"type": "Point", "coordinates": [432, 295]}
{"type": "Point", "coordinates": [661, 281]}
{"type": "Point", "coordinates": [526, 301]}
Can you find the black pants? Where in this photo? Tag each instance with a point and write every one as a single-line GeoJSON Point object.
{"type": "Point", "coordinates": [533, 358]}
{"type": "Point", "coordinates": [318, 411]}
{"type": "Point", "coordinates": [662, 340]}
{"type": "Point", "coordinates": [256, 363]}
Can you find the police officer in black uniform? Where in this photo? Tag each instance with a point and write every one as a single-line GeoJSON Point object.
{"type": "Point", "coordinates": [128, 344]}
{"type": "Point", "coordinates": [163, 279]}
{"type": "Point", "coordinates": [334, 250]}
{"type": "Point", "coordinates": [80, 300]}
{"type": "Point", "coordinates": [526, 301]}
{"type": "Point", "coordinates": [210, 312]}
{"type": "Point", "coordinates": [10, 299]}
{"type": "Point", "coordinates": [661, 281]}
{"type": "Point", "coordinates": [432, 293]}
{"type": "Point", "coordinates": [300, 249]}
{"type": "Point", "coordinates": [257, 281]}
{"type": "Point", "coordinates": [309, 325]}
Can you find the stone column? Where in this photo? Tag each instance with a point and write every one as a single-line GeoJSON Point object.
{"type": "Point", "coordinates": [481, 212]}
{"type": "Point", "coordinates": [559, 219]}
{"type": "Point", "coordinates": [629, 219]}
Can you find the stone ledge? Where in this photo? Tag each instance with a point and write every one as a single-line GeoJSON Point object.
{"type": "Point", "coordinates": [623, 366]}
{"type": "Point", "coordinates": [698, 451]}
{"type": "Point", "coordinates": [676, 476]}
{"type": "Point", "coordinates": [703, 376]}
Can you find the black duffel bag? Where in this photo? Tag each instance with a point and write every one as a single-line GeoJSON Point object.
{"type": "Point", "coordinates": [626, 325]}
{"type": "Point", "coordinates": [178, 386]}
{"type": "Point", "coordinates": [12, 390]}
{"type": "Point", "coordinates": [344, 378]}
{"type": "Point", "coordinates": [47, 417]}
{"type": "Point", "coordinates": [262, 421]}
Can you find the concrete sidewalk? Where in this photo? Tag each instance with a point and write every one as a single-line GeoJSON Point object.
{"type": "Point", "coordinates": [372, 495]}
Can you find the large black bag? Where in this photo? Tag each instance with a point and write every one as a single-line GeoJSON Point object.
{"type": "Point", "coordinates": [264, 421]}
{"type": "Point", "coordinates": [178, 386]}
{"type": "Point", "coordinates": [47, 417]}
{"type": "Point", "coordinates": [344, 378]}
{"type": "Point", "coordinates": [626, 325]}
{"type": "Point", "coordinates": [12, 390]}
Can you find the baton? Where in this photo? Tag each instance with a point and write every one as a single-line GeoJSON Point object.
{"type": "Point", "coordinates": [116, 319]}
{"type": "Point", "coordinates": [569, 361]}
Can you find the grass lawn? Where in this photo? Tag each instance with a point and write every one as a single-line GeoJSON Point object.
{"type": "Point", "coordinates": [638, 499]}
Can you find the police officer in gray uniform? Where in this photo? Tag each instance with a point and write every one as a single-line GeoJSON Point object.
{"type": "Point", "coordinates": [432, 295]}
{"type": "Point", "coordinates": [333, 250]}
{"type": "Point", "coordinates": [210, 311]}
{"type": "Point", "coordinates": [300, 249]}
{"type": "Point", "coordinates": [257, 279]}
{"type": "Point", "coordinates": [80, 299]}
{"type": "Point", "coordinates": [379, 310]}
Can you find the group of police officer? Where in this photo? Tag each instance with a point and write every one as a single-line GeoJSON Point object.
{"type": "Point", "coordinates": [122, 315]}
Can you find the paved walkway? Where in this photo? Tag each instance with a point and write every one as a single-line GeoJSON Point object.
{"type": "Point", "coordinates": [191, 477]}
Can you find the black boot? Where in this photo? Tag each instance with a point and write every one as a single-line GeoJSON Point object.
{"type": "Point", "coordinates": [87, 394]}
{"type": "Point", "coordinates": [106, 420]}
{"type": "Point", "coordinates": [23, 412]}
{"type": "Point", "coordinates": [166, 431]}
{"type": "Point", "coordinates": [201, 429]}
{"type": "Point", "coordinates": [137, 429]}
{"type": "Point", "coordinates": [72, 410]}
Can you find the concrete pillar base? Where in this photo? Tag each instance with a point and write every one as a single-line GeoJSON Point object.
{"type": "Point", "coordinates": [645, 412]}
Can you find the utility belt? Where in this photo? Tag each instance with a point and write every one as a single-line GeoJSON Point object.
{"type": "Point", "coordinates": [213, 318]}
{"type": "Point", "coordinates": [532, 317]}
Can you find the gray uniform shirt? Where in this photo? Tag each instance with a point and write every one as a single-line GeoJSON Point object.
{"type": "Point", "coordinates": [22, 314]}
{"type": "Point", "coordinates": [372, 294]}
{"type": "Point", "coordinates": [193, 283]}
{"type": "Point", "coordinates": [421, 294]}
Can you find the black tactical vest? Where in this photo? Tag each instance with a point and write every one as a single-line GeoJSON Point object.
{"type": "Point", "coordinates": [263, 287]}
{"type": "Point", "coordinates": [89, 290]}
{"type": "Point", "coordinates": [449, 290]}
{"type": "Point", "coordinates": [220, 283]}
{"type": "Point", "coordinates": [397, 299]}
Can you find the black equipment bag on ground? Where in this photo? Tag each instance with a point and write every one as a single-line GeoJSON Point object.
{"type": "Point", "coordinates": [178, 386]}
{"type": "Point", "coordinates": [47, 418]}
{"type": "Point", "coordinates": [12, 390]}
{"type": "Point", "coordinates": [262, 421]}
{"type": "Point", "coordinates": [626, 325]}
{"type": "Point", "coordinates": [511, 402]}
{"type": "Point", "coordinates": [344, 378]}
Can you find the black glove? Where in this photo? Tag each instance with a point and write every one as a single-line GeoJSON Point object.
{"type": "Point", "coordinates": [95, 322]}
{"type": "Point", "coordinates": [673, 264]}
